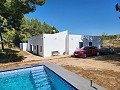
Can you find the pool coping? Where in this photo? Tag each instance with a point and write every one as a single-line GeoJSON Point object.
{"type": "Point", "coordinates": [75, 80]}
{"type": "Point", "coordinates": [21, 67]}
{"type": "Point", "coordinates": [62, 78]}
{"type": "Point", "coordinates": [71, 78]}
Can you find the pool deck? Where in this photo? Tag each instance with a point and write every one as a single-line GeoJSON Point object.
{"type": "Point", "coordinates": [77, 81]}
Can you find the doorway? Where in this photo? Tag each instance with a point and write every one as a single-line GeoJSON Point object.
{"type": "Point", "coordinates": [37, 49]}
{"type": "Point", "coordinates": [80, 44]}
{"type": "Point", "coordinates": [31, 48]}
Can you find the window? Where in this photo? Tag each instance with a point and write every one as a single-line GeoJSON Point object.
{"type": "Point", "coordinates": [40, 48]}
{"type": "Point", "coordinates": [80, 44]}
{"type": "Point", "coordinates": [34, 47]}
{"type": "Point", "coordinates": [30, 47]}
{"type": "Point", "coordinates": [90, 43]}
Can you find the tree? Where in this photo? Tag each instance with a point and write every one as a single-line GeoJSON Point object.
{"type": "Point", "coordinates": [54, 28]}
{"type": "Point", "coordinates": [31, 27]}
{"type": "Point", "coordinates": [14, 10]}
{"type": "Point", "coordinates": [47, 28]}
{"type": "Point", "coordinates": [117, 6]}
{"type": "Point", "coordinates": [8, 37]}
{"type": "Point", "coordinates": [2, 29]}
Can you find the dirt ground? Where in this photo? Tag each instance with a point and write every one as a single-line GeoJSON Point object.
{"type": "Point", "coordinates": [104, 72]}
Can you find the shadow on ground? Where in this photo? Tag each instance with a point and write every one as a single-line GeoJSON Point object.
{"type": "Point", "coordinates": [115, 59]}
{"type": "Point", "coordinates": [111, 57]}
{"type": "Point", "coordinates": [9, 55]}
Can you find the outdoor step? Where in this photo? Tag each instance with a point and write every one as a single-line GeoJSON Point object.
{"type": "Point", "coordinates": [47, 87]}
{"type": "Point", "coordinates": [38, 73]}
{"type": "Point", "coordinates": [37, 69]}
{"type": "Point", "coordinates": [42, 84]}
{"type": "Point", "coordinates": [41, 80]}
{"type": "Point", "coordinates": [39, 77]}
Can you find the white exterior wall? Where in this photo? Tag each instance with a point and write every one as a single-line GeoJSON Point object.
{"type": "Point", "coordinates": [54, 42]}
{"type": "Point", "coordinates": [73, 43]}
{"type": "Point", "coordinates": [61, 42]}
{"type": "Point", "coordinates": [85, 39]}
{"type": "Point", "coordinates": [34, 41]}
{"type": "Point", "coordinates": [29, 42]}
{"type": "Point", "coordinates": [96, 41]}
{"type": "Point", "coordinates": [23, 46]}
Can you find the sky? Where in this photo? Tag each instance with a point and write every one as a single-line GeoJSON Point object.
{"type": "Point", "coordinates": [85, 17]}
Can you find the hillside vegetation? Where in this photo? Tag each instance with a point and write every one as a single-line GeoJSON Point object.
{"type": "Point", "coordinates": [15, 27]}
{"type": "Point", "coordinates": [111, 40]}
{"type": "Point", "coordinates": [27, 29]}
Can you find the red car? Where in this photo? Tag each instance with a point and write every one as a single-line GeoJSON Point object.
{"type": "Point", "coordinates": [87, 51]}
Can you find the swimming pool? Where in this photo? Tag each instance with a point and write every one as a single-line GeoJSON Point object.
{"type": "Point", "coordinates": [38, 77]}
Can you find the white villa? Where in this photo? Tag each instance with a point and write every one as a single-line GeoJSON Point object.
{"type": "Point", "coordinates": [46, 45]}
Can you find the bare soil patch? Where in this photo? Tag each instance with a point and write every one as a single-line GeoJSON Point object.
{"type": "Point", "coordinates": [105, 72]}
{"type": "Point", "coordinates": [106, 78]}
{"type": "Point", "coordinates": [102, 71]}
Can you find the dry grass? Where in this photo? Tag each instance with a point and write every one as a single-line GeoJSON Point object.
{"type": "Point", "coordinates": [111, 43]}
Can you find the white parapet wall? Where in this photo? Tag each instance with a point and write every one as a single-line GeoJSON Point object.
{"type": "Point", "coordinates": [95, 40]}
{"type": "Point", "coordinates": [54, 43]}
{"type": "Point", "coordinates": [23, 46]}
{"type": "Point", "coordinates": [46, 45]}
{"type": "Point", "coordinates": [35, 45]}
{"type": "Point", "coordinates": [73, 43]}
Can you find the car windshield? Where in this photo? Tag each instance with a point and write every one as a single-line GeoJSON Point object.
{"type": "Point", "coordinates": [84, 48]}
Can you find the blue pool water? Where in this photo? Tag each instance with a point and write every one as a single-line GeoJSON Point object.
{"type": "Point", "coordinates": [33, 78]}
{"type": "Point", "coordinates": [15, 81]}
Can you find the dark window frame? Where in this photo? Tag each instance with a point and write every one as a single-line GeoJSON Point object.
{"type": "Point", "coordinates": [80, 44]}
{"type": "Point", "coordinates": [90, 43]}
